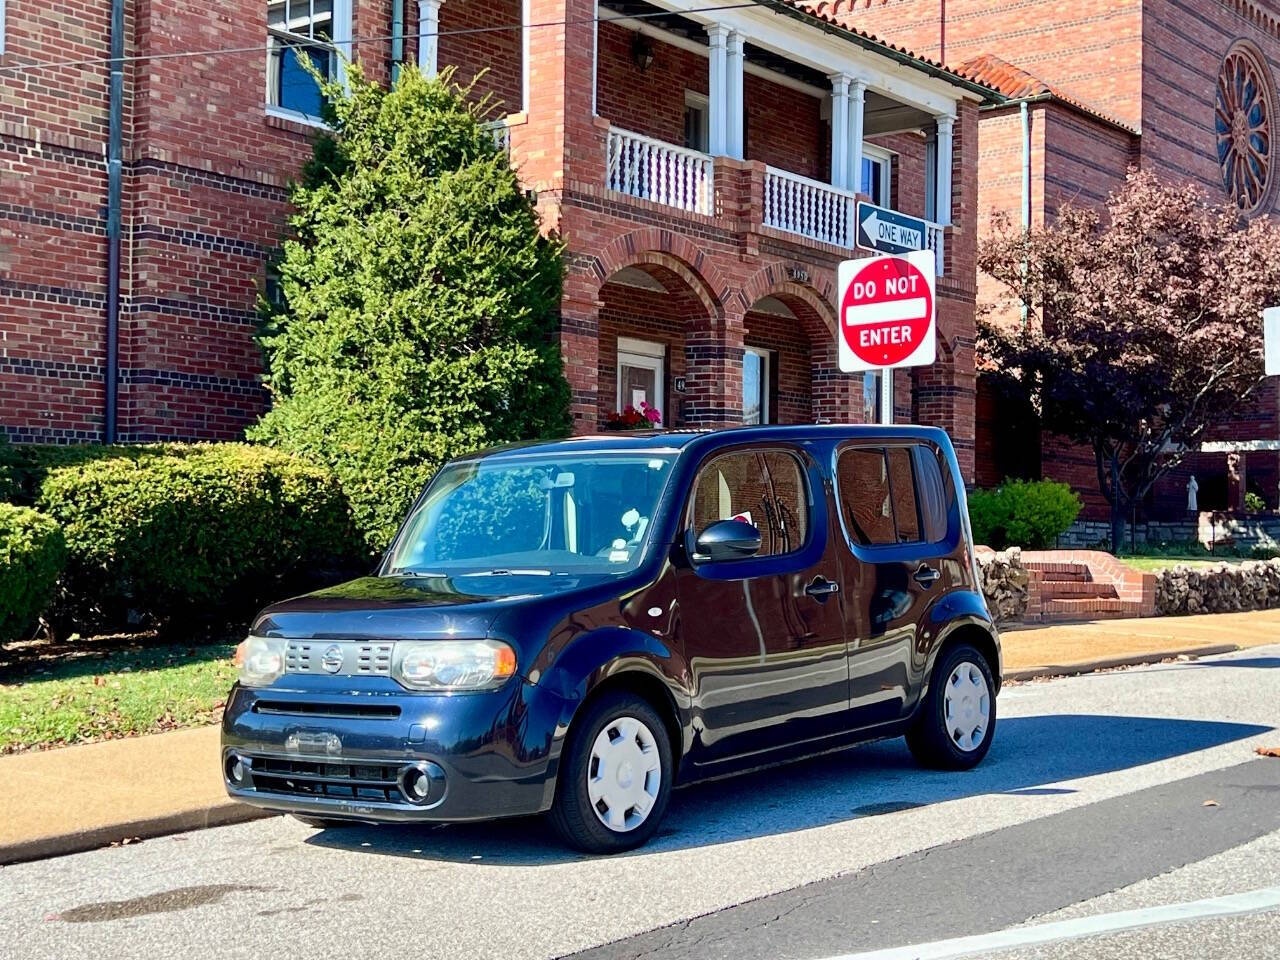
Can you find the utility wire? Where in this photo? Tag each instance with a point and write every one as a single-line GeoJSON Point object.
{"type": "Point", "coordinates": [356, 41]}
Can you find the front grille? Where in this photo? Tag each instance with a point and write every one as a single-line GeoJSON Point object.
{"type": "Point", "coordinates": [318, 778]}
{"type": "Point", "coordinates": [357, 659]}
{"type": "Point", "coordinates": [351, 711]}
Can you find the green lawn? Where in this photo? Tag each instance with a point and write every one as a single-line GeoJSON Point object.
{"type": "Point", "coordinates": [78, 697]}
{"type": "Point", "coordinates": [1156, 564]}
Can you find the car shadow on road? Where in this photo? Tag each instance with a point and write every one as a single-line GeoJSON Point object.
{"type": "Point", "coordinates": [1029, 755]}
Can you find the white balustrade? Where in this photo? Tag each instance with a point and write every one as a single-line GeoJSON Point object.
{"type": "Point", "coordinates": [661, 172]}
{"type": "Point", "coordinates": [810, 208]}
{"type": "Point", "coordinates": [935, 234]}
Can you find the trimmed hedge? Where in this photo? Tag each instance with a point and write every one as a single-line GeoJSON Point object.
{"type": "Point", "coordinates": [199, 532]}
{"type": "Point", "coordinates": [32, 556]}
{"type": "Point", "coordinates": [1023, 513]}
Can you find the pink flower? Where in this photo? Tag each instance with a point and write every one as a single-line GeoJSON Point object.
{"type": "Point", "coordinates": [651, 413]}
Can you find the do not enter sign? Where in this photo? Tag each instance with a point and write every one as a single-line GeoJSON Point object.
{"type": "Point", "coordinates": [887, 312]}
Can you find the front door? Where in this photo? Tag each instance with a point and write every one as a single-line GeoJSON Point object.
{"type": "Point", "coordinates": [763, 636]}
{"type": "Point", "coordinates": [889, 577]}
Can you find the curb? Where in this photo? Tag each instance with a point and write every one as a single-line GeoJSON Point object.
{"type": "Point", "coordinates": [57, 845]}
{"type": "Point", "coordinates": [1109, 663]}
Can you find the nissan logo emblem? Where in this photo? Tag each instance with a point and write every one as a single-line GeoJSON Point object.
{"type": "Point", "coordinates": [332, 658]}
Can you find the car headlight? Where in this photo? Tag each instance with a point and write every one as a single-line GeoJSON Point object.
{"type": "Point", "coordinates": [453, 664]}
{"type": "Point", "coordinates": [260, 660]}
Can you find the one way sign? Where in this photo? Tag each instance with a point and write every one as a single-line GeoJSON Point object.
{"type": "Point", "coordinates": [888, 231]}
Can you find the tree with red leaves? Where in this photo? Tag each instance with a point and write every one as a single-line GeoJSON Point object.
{"type": "Point", "coordinates": [1133, 329]}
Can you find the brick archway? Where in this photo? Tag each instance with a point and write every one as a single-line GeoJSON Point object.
{"type": "Point", "coordinates": [662, 248]}
{"type": "Point", "coordinates": [773, 280]}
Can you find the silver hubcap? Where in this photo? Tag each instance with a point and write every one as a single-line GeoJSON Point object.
{"type": "Point", "coordinates": [966, 707]}
{"type": "Point", "coordinates": [624, 774]}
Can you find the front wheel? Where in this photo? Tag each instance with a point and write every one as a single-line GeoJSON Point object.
{"type": "Point", "coordinates": [957, 720]}
{"type": "Point", "coordinates": [615, 776]}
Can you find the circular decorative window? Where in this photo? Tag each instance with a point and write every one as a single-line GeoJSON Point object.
{"type": "Point", "coordinates": [1244, 115]}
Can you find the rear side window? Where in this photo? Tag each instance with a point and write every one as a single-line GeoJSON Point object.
{"type": "Point", "coordinates": [879, 495]}
{"type": "Point", "coordinates": [931, 493]}
{"type": "Point", "coordinates": [764, 488]}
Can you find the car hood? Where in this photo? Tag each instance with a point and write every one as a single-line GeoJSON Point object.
{"type": "Point", "coordinates": [407, 608]}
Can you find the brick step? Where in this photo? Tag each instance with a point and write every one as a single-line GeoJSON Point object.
{"type": "Point", "coordinates": [1090, 609]}
{"type": "Point", "coordinates": [1076, 590]}
{"type": "Point", "coordinates": [1062, 571]}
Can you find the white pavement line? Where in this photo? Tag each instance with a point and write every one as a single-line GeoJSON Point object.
{"type": "Point", "coordinates": [1268, 898]}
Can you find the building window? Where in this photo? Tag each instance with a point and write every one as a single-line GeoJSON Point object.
{"type": "Point", "coordinates": [871, 396]}
{"type": "Point", "coordinates": [640, 374]}
{"type": "Point", "coordinates": [696, 132]}
{"type": "Point", "coordinates": [876, 166]}
{"type": "Point", "coordinates": [2, 26]}
{"type": "Point", "coordinates": [301, 31]}
{"type": "Point", "coordinates": [756, 371]}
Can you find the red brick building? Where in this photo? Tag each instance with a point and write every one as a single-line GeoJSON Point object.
{"type": "Point", "coordinates": [701, 166]}
{"type": "Point", "coordinates": [1092, 89]}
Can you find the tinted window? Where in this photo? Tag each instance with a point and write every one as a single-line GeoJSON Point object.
{"type": "Point", "coordinates": [932, 494]}
{"type": "Point", "coordinates": [765, 489]}
{"type": "Point", "coordinates": [862, 476]}
{"type": "Point", "coordinates": [902, 484]}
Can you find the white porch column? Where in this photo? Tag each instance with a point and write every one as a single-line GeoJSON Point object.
{"type": "Point", "coordinates": [943, 178]}
{"type": "Point", "coordinates": [733, 63]}
{"type": "Point", "coordinates": [718, 94]}
{"type": "Point", "coordinates": [857, 95]}
{"type": "Point", "coordinates": [839, 129]}
{"type": "Point", "coordinates": [429, 36]}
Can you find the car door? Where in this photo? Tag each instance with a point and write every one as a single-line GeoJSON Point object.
{"type": "Point", "coordinates": [764, 636]}
{"type": "Point", "coordinates": [889, 575]}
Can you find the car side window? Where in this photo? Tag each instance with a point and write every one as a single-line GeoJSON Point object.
{"type": "Point", "coordinates": [932, 494]}
{"type": "Point", "coordinates": [902, 485]}
{"type": "Point", "coordinates": [764, 488]}
{"type": "Point", "coordinates": [862, 479]}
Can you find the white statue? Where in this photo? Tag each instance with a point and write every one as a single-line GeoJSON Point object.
{"type": "Point", "coordinates": [1193, 504]}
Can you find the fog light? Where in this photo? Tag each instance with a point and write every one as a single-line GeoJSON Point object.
{"type": "Point", "coordinates": [415, 784]}
{"type": "Point", "coordinates": [235, 770]}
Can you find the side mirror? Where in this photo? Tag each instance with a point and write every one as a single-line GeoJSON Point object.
{"type": "Point", "coordinates": [726, 540]}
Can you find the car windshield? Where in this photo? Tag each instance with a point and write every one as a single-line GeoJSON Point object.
{"type": "Point", "coordinates": [538, 515]}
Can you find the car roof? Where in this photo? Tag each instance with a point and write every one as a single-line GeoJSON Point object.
{"type": "Point", "coordinates": [682, 440]}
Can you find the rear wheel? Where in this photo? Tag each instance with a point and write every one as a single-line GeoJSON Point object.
{"type": "Point", "coordinates": [957, 720]}
{"type": "Point", "coordinates": [615, 776]}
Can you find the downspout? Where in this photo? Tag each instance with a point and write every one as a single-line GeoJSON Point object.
{"type": "Point", "coordinates": [1026, 194]}
{"type": "Point", "coordinates": [115, 151]}
{"type": "Point", "coordinates": [397, 38]}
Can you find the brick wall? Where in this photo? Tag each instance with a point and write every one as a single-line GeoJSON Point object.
{"type": "Point", "coordinates": [791, 357]}
{"type": "Point", "coordinates": [490, 58]}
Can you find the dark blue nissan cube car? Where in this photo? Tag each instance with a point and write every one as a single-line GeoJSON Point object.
{"type": "Point", "coordinates": [577, 626]}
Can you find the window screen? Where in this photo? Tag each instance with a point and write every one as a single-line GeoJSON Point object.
{"type": "Point", "coordinates": [862, 476]}
{"type": "Point", "coordinates": [765, 489]}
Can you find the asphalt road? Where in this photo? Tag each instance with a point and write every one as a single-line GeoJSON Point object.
{"type": "Point", "coordinates": [1118, 815]}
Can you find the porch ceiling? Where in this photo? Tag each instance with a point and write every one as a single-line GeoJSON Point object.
{"type": "Point", "coordinates": [882, 115]}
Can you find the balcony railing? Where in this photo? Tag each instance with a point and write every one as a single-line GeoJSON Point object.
{"type": "Point", "coordinates": [810, 208]}
{"type": "Point", "coordinates": [934, 236]}
{"type": "Point", "coordinates": [661, 172]}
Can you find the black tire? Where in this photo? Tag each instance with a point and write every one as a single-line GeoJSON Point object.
{"type": "Point", "coordinates": [322, 823]}
{"type": "Point", "coordinates": [573, 815]}
{"type": "Point", "coordinates": [930, 737]}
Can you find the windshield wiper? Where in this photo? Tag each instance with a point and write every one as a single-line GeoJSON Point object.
{"type": "Point", "coordinates": [505, 572]}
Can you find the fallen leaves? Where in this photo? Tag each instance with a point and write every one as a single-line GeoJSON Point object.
{"type": "Point", "coordinates": [1268, 751]}
{"type": "Point", "coordinates": [1210, 803]}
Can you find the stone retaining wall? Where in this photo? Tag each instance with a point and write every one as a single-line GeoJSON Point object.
{"type": "Point", "coordinates": [1222, 588]}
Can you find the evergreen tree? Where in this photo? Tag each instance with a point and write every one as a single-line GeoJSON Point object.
{"type": "Point", "coordinates": [418, 302]}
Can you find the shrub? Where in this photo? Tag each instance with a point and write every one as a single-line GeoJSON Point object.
{"type": "Point", "coordinates": [418, 319]}
{"type": "Point", "coordinates": [32, 556]}
{"type": "Point", "coordinates": [193, 533]}
{"type": "Point", "coordinates": [12, 471]}
{"type": "Point", "coordinates": [1253, 503]}
{"type": "Point", "coordinates": [1023, 513]}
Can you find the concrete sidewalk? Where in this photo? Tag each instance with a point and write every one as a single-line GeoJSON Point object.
{"type": "Point", "coordinates": [77, 798]}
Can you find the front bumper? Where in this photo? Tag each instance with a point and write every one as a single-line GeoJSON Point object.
{"type": "Point", "coordinates": [340, 748]}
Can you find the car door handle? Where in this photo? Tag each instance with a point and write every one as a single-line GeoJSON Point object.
{"type": "Point", "coordinates": [926, 575]}
{"type": "Point", "coordinates": [821, 588]}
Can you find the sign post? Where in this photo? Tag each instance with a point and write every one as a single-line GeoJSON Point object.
{"type": "Point", "coordinates": [887, 317]}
